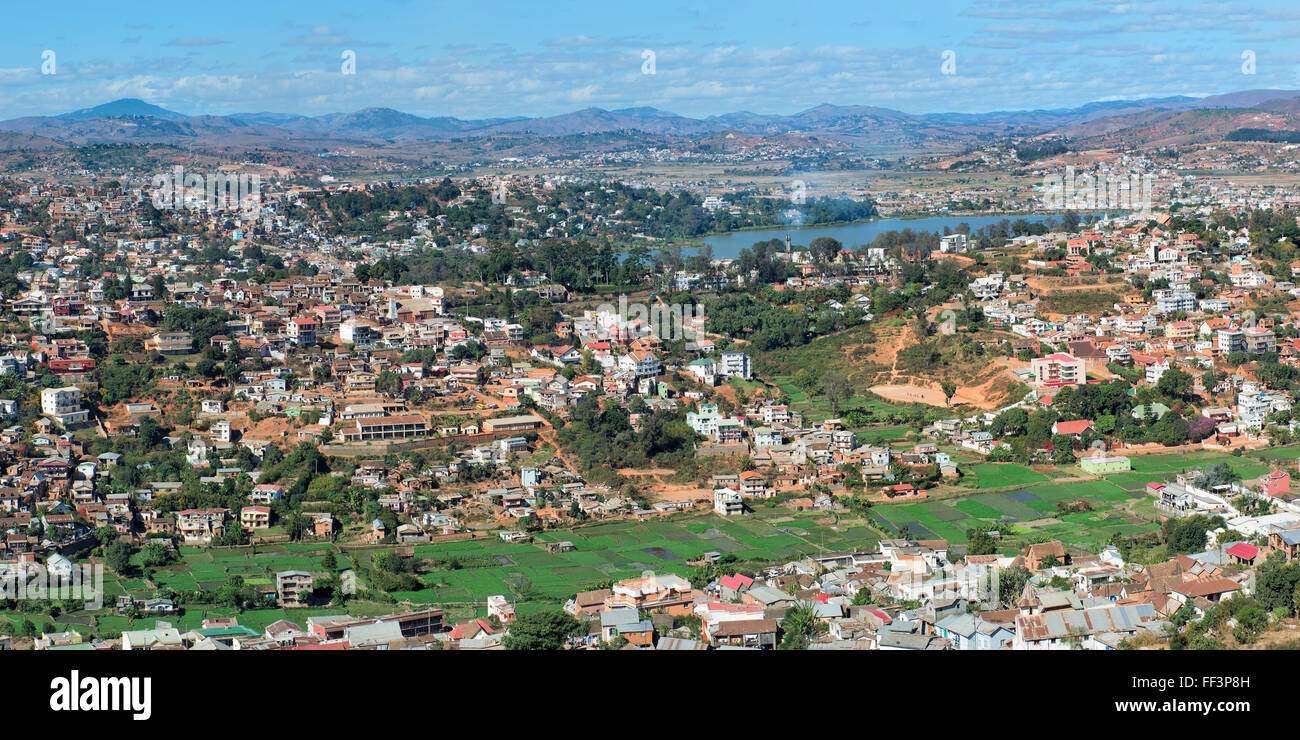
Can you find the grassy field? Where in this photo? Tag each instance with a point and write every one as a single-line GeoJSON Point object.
{"type": "Point", "coordinates": [1001, 475]}
{"type": "Point", "coordinates": [1007, 511]}
{"type": "Point", "coordinates": [889, 434]}
{"type": "Point", "coordinates": [605, 552]}
{"type": "Point", "coordinates": [1156, 468]}
{"type": "Point", "coordinates": [1007, 497]}
{"type": "Point", "coordinates": [819, 409]}
{"type": "Point", "coordinates": [208, 569]}
{"type": "Point", "coordinates": [467, 572]}
{"type": "Point", "coordinates": [1081, 301]}
{"type": "Point", "coordinates": [1016, 494]}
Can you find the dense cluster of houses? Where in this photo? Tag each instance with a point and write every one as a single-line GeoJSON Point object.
{"type": "Point", "coordinates": [1192, 321]}
{"type": "Point", "coordinates": [365, 367]}
{"type": "Point", "coordinates": [924, 595]}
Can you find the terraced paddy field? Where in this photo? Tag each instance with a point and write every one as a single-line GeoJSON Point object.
{"type": "Point", "coordinates": [1016, 495]}
{"type": "Point", "coordinates": [1009, 511]}
{"type": "Point", "coordinates": [617, 550]}
{"type": "Point", "coordinates": [204, 569]}
{"type": "Point", "coordinates": [467, 572]}
{"type": "Point", "coordinates": [1008, 496]}
{"type": "Point", "coordinates": [208, 569]}
{"type": "Point", "coordinates": [1001, 475]}
{"type": "Point", "coordinates": [1156, 468]}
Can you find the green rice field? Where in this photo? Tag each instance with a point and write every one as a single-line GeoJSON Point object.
{"type": "Point", "coordinates": [465, 573]}
{"type": "Point", "coordinates": [607, 552]}
{"type": "Point", "coordinates": [950, 518]}
{"type": "Point", "coordinates": [1001, 475]}
{"type": "Point", "coordinates": [1038, 494]}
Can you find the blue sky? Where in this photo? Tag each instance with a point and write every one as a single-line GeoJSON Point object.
{"type": "Point", "coordinates": [489, 58]}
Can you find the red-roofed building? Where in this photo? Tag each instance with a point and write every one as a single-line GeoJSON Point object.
{"type": "Point", "coordinates": [265, 493]}
{"type": "Point", "coordinates": [1244, 553]}
{"type": "Point", "coordinates": [471, 629]}
{"type": "Point", "coordinates": [339, 645]}
{"type": "Point", "coordinates": [1213, 589]}
{"type": "Point", "coordinates": [1277, 483]}
{"type": "Point", "coordinates": [255, 517]}
{"type": "Point", "coordinates": [903, 491]}
{"type": "Point", "coordinates": [1058, 370]}
{"type": "Point", "coordinates": [301, 330]}
{"type": "Point", "coordinates": [754, 484]}
{"type": "Point", "coordinates": [732, 586]}
{"type": "Point", "coordinates": [1072, 428]}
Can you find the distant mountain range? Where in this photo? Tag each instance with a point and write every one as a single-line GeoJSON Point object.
{"type": "Point", "coordinates": [1142, 121]}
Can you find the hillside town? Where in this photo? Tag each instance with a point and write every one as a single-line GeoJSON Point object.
{"type": "Point", "coordinates": [268, 428]}
{"type": "Point", "coordinates": [509, 332]}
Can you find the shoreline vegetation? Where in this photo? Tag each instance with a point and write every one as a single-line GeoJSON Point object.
{"type": "Point", "coordinates": [921, 217]}
{"type": "Point", "coordinates": [696, 242]}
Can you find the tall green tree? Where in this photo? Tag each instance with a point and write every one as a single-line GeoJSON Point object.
{"type": "Point", "coordinates": [547, 630]}
{"type": "Point", "coordinates": [799, 626]}
{"type": "Point", "coordinates": [117, 556]}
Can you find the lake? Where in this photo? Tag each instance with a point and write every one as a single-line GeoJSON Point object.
{"type": "Point", "coordinates": [728, 246]}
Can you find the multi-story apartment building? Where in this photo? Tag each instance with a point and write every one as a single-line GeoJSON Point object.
{"type": "Point", "coordinates": [1180, 330]}
{"type": "Point", "coordinates": [776, 414]}
{"type": "Point", "coordinates": [1170, 301]}
{"type": "Point", "coordinates": [357, 332]}
{"type": "Point", "coordinates": [255, 517]}
{"type": "Point", "coordinates": [221, 431]}
{"type": "Point", "coordinates": [170, 343]}
{"type": "Point", "coordinates": [954, 243]}
{"type": "Point", "coordinates": [200, 526]}
{"type": "Point", "coordinates": [650, 592]}
{"type": "Point", "coordinates": [753, 484]}
{"type": "Point", "coordinates": [64, 405]}
{"type": "Point", "coordinates": [728, 502]}
{"type": "Point", "coordinates": [1254, 405]}
{"type": "Point", "coordinates": [1231, 340]}
{"type": "Point", "coordinates": [1157, 369]}
{"type": "Point", "coordinates": [301, 330]}
{"type": "Point", "coordinates": [359, 382]}
{"type": "Point", "coordinates": [735, 365]}
{"type": "Point", "coordinates": [1258, 340]}
{"type": "Point", "coordinates": [729, 431]}
{"type": "Point", "coordinates": [388, 427]}
{"type": "Point", "coordinates": [1058, 369]}
{"type": "Point", "coordinates": [705, 420]}
{"type": "Point", "coordinates": [292, 587]}
{"type": "Point", "coordinates": [642, 363]}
